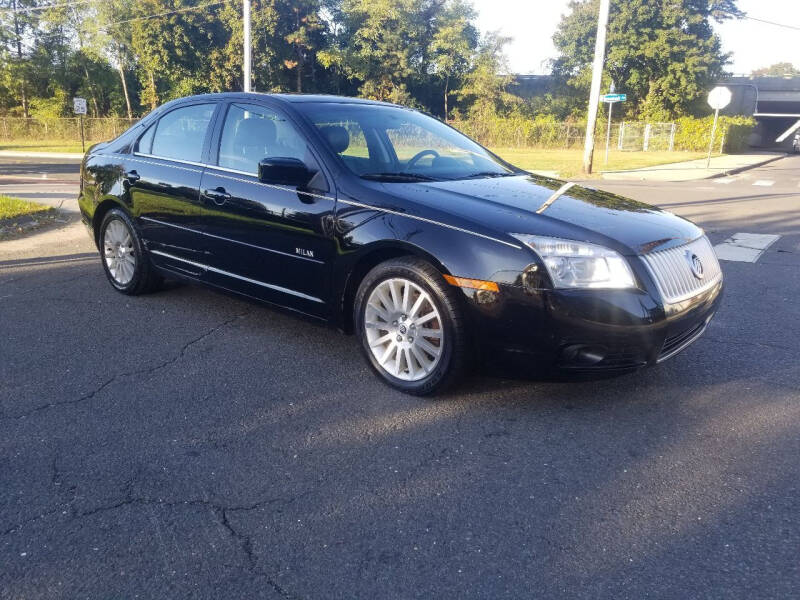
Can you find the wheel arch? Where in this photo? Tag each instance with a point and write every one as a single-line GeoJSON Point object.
{"type": "Point", "coordinates": [100, 211]}
{"type": "Point", "coordinates": [369, 257]}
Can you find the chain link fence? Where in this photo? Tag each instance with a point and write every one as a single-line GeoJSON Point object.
{"type": "Point", "coordinates": [631, 136]}
{"type": "Point", "coordinates": [644, 137]}
{"type": "Point", "coordinates": [66, 129]}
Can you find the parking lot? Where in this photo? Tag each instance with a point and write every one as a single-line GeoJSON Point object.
{"type": "Point", "coordinates": [191, 444]}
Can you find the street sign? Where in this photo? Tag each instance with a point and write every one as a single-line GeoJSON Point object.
{"type": "Point", "coordinates": [613, 98]}
{"type": "Point", "coordinates": [719, 97]}
{"type": "Point", "coordinates": [79, 106]}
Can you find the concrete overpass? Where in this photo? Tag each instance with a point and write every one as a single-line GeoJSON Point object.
{"type": "Point", "coordinates": [773, 101]}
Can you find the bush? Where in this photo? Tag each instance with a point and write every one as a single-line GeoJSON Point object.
{"type": "Point", "coordinates": [544, 131]}
{"type": "Point", "coordinates": [519, 131]}
{"type": "Point", "coordinates": [694, 134]}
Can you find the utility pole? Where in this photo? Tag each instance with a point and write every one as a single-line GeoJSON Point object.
{"type": "Point", "coordinates": [611, 90]}
{"type": "Point", "coordinates": [247, 45]}
{"type": "Point", "coordinates": [594, 95]}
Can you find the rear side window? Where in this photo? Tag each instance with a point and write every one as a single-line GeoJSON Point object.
{"type": "Point", "coordinates": [180, 133]}
{"type": "Point", "coordinates": [145, 143]}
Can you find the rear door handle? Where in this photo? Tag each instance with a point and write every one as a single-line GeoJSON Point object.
{"type": "Point", "coordinates": [132, 176]}
{"type": "Point", "coordinates": [218, 195]}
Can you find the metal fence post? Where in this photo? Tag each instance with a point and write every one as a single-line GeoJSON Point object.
{"type": "Point", "coordinates": [646, 143]}
{"type": "Point", "coordinates": [621, 136]}
{"type": "Point", "coordinates": [672, 137]}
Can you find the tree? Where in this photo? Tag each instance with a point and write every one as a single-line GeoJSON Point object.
{"type": "Point", "coordinates": [781, 69]}
{"type": "Point", "coordinates": [17, 24]}
{"type": "Point", "coordinates": [664, 55]}
{"type": "Point", "coordinates": [385, 47]}
{"type": "Point", "coordinates": [304, 37]}
{"type": "Point", "coordinates": [486, 84]}
{"type": "Point", "coordinates": [117, 38]}
{"type": "Point", "coordinates": [454, 44]}
{"type": "Point", "coordinates": [127, 54]}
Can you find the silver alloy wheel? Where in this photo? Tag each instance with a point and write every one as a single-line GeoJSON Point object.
{"type": "Point", "coordinates": [118, 251]}
{"type": "Point", "coordinates": [404, 329]}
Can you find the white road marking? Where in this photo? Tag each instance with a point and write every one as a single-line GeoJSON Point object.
{"type": "Point", "coordinates": [764, 182]}
{"type": "Point", "coordinates": [725, 180]}
{"type": "Point", "coordinates": [745, 247]}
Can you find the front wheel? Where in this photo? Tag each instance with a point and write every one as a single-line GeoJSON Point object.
{"type": "Point", "coordinates": [411, 327]}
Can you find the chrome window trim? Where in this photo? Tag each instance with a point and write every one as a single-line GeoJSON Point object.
{"type": "Point", "coordinates": [219, 237]}
{"type": "Point", "coordinates": [217, 167]}
{"type": "Point", "coordinates": [235, 276]}
{"type": "Point", "coordinates": [176, 160]}
{"type": "Point", "coordinates": [262, 184]}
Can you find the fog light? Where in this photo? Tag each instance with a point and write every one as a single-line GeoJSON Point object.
{"type": "Point", "coordinates": [583, 355]}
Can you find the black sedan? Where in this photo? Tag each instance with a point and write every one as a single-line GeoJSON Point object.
{"type": "Point", "coordinates": [388, 223]}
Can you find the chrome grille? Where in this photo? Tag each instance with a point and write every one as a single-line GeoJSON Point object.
{"type": "Point", "coordinates": [672, 270]}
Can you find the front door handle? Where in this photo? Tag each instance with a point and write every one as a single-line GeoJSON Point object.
{"type": "Point", "coordinates": [218, 195]}
{"type": "Point", "coordinates": [132, 176]}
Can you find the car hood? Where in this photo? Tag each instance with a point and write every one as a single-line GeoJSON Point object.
{"type": "Point", "coordinates": [509, 205]}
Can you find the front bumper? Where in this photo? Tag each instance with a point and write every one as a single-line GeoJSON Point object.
{"type": "Point", "coordinates": [589, 330]}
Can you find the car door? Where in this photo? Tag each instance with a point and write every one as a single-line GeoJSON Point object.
{"type": "Point", "coordinates": [270, 241]}
{"type": "Point", "coordinates": [164, 176]}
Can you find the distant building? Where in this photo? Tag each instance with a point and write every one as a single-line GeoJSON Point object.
{"type": "Point", "coordinates": [531, 86]}
{"type": "Point", "coordinates": [773, 101]}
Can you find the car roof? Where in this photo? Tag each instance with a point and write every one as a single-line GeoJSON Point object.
{"type": "Point", "coordinates": [290, 98]}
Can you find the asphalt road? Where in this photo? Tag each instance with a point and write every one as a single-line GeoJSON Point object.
{"type": "Point", "coordinates": [188, 444]}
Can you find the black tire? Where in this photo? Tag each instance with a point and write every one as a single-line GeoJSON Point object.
{"type": "Point", "coordinates": [145, 278]}
{"type": "Point", "coordinates": [455, 345]}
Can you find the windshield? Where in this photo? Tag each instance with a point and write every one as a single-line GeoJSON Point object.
{"type": "Point", "coordinates": [389, 143]}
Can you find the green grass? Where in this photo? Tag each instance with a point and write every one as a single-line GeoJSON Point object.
{"type": "Point", "coordinates": [11, 208]}
{"type": "Point", "coordinates": [567, 163]}
{"type": "Point", "coordinates": [43, 145]}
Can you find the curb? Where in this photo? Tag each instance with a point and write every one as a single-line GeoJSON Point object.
{"type": "Point", "coordinates": [746, 167]}
{"type": "Point", "coordinates": [721, 173]}
{"type": "Point", "coordinates": [22, 154]}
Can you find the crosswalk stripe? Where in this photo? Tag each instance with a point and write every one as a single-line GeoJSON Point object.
{"type": "Point", "coordinates": [764, 182]}
{"type": "Point", "coordinates": [745, 247]}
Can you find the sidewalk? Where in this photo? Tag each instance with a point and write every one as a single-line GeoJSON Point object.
{"type": "Point", "coordinates": [67, 156]}
{"type": "Point", "coordinates": [696, 169]}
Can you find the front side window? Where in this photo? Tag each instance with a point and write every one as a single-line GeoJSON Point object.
{"type": "Point", "coordinates": [181, 132]}
{"type": "Point", "coordinates": [253, 133]}
{"type": "Point", "coordinates": [397, 144]}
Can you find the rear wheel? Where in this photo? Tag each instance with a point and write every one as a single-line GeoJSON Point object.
{"type": "Point", "coordinates": [410, 325]}
{"type": "Point", "coordinates": [125, 259]}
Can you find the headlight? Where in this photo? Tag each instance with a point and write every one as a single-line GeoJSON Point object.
{"type": "Point", "coordinates": [574, 264]}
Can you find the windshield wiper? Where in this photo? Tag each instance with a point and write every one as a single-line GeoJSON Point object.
{"type": "Point", "coordinates": [486, 174]}
{"type": "Point", "coordinates": [397, 177]}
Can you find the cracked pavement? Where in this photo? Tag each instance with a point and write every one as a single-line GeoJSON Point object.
{"type": "Point", "coordinates": [188, 444]}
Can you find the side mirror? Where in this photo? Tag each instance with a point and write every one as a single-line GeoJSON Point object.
{"type": "Point", "coordinates": [283, 171]}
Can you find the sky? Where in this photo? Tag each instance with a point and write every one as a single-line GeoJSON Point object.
{"type": "Point", "coordinates": [532, 23]}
